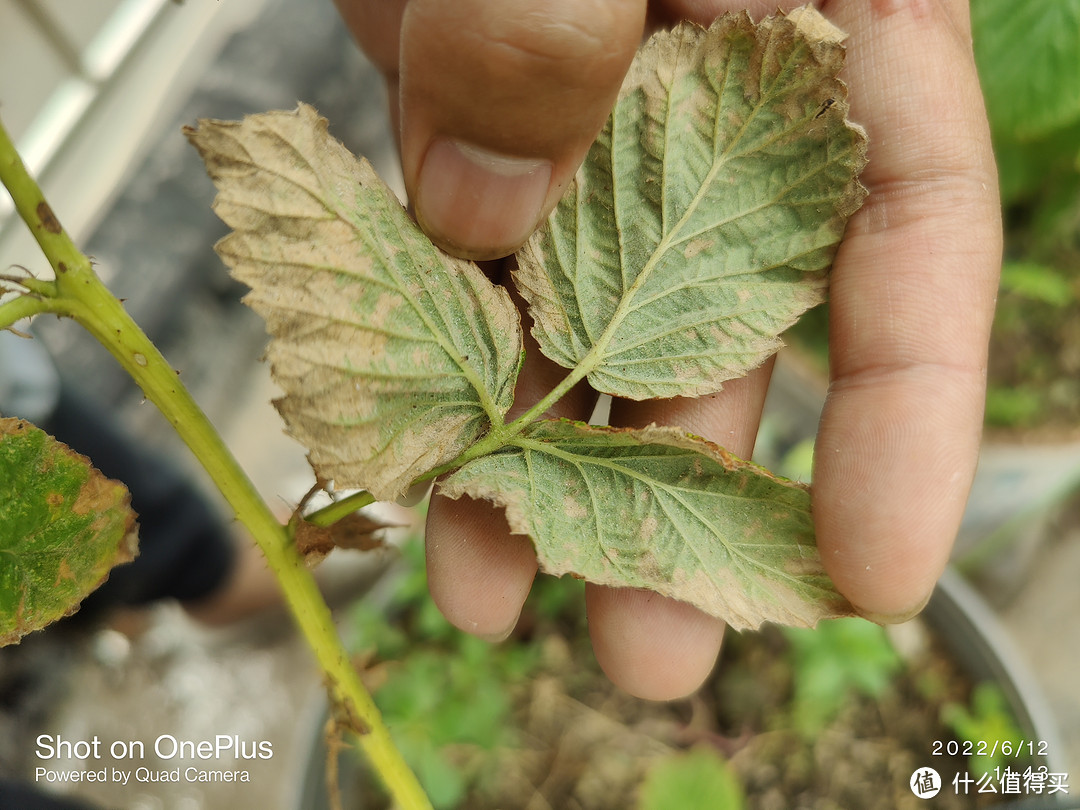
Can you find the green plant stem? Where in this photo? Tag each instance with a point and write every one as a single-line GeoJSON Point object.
{"type": "Point", "coordinates": [79, 294]}
{"type": "Point", "coordinates": [502, 435]}
{"type": "Point", "coordinates": [24, 306]}
{"type": "Point", "coordinates": [329, 515]}
{"type": "Point", "coordinates": [554, 395]}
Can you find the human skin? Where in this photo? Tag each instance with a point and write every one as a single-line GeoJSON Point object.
{"type": "Point", "coordinates": [495, 103]}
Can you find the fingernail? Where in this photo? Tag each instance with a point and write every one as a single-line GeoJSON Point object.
{"type": "Point", "coordinates": [495, 638]}
{"type": "Point", "coordinates": [479, 203]}
{"type": "Point", "coordinates": [899, 617]}
{"type": "Point", "coordinates": [500, 635]}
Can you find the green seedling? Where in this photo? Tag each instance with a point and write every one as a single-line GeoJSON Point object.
{"type": "Point", "coordinates": [841, 659]}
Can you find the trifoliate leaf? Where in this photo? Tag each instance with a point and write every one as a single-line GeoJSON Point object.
{"type": "Point", "coordinates": [394, 357]}
{"type": "Point", "coordinates": [660, 509]}
{"type": "Point", "coordinates": [64, 527]}
{"type": "Point", "coordinates": [707, 213]}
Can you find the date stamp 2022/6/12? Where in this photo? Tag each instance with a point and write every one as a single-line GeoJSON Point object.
{"type": "Point", "coordinates": [1030, 780]}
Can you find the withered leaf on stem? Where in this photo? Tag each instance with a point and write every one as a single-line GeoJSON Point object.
{"type": "Point", "coordinates": [356, 531]}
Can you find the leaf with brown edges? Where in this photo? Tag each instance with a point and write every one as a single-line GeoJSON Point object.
{"type": "Point", "coordinates": [394, 356]}
{"type": "Point", "coordinates": [64, 527]}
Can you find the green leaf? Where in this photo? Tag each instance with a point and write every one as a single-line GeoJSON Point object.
{"type": "Point", "coordinates": [1027, 58]}
{"type": "Point", "coordinates": [64, 527]}
{"type": "Point", "coordinates": [394, 357]}
{"type": "Point", "coordinates": [444, 785]}
{"type": "Point", "coordinates": [700, 779]}
{"type": "Point", "coordinates": [707, 213]}
{"type": "Point", "coordinates": [1015, 406]}
{"type": "Point", "coordinates": [660, 509]}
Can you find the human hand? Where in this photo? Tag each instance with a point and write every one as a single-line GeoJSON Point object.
{"type": "Point", "coordinates": [498, 104]}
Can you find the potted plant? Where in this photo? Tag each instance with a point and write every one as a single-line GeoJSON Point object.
{"type": "Point", "coordinates": [329, 279]}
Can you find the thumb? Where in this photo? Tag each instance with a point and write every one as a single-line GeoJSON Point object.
{"type": "Point", "coordinates": [500, 101]}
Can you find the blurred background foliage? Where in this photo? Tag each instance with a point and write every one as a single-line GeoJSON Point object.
{"type": "Point", "coordinates": [1028, 56]}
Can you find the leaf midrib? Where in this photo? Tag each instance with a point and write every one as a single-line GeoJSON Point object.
{"type": "Point", "coordinates": [484, 397]}
{"type": "Point", "coordinates": [594, 358]}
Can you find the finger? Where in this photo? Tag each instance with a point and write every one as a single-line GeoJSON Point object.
{"type": "Point", "coordinates": [650, 646]}
{"type": "Point", "coordinates": [912, 294]}
{"type": "Point", "coordinates": [679, 649]}
{"type": "Point", "coordinates": [500, 100]}
{"type": "Point", "coordinates": [729, 417]}
{"type": "Point", "coordinates": [704, 12]}
{"type": "Point", "coordinates": [478, 573]}
{"type": "Point", "coordinates": [376, 27]}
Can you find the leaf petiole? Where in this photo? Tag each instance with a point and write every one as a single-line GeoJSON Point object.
{"type": "Point", "coordinates": [17, 309]}
{"type": "Point", "coordinates": [502, 435]}
{"type": "Point", "coordinates": [332, 513]}
{"type": "Point", "coordinates": [537, 411]}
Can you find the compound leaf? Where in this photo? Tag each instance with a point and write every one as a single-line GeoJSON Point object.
{"type": "Point", "coordinates": [660, 509]}
{"type": "Point", "coordinates": [394, 357]}
{"type": "Point", "coordinates": [707, 213]}
{"type": "Point", "coordinates": [65, 526]}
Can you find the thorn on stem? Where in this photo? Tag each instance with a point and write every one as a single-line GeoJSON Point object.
{"type": "Point", "coordinates": [29, 273]}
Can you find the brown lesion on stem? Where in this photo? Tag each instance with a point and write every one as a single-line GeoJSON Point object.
{"type": "Point", "coordinates": [47, 218]}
